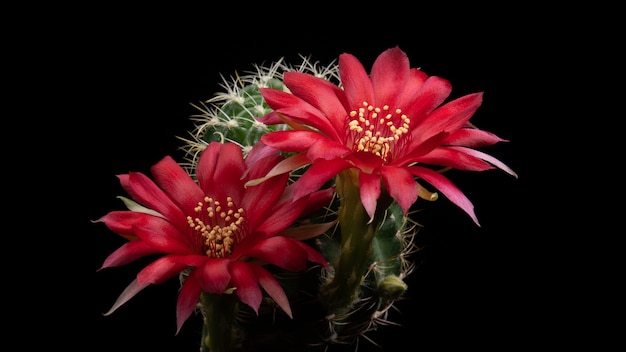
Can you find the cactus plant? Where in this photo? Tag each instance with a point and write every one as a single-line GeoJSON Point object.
{"type": "Point", "coordinates": [369, 260]}
{"type": "Point", "coordinates": [327, 163]}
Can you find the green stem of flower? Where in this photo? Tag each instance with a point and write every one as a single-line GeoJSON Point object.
{"type": "Point", "coordinates": [357, 233]}
{"type": "Point", "coordinates": [219, 332]}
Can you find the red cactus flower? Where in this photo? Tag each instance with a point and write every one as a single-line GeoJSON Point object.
{"type": "Point", "coordinates": [220, 229]}
{"type": "Point", "coordinates": [388, 125]}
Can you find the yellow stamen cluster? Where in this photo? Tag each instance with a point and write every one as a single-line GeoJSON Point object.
{"type": "Point", "coordinates": [376, 130]}
{"type": "Point", "coordinates": [220, 226]}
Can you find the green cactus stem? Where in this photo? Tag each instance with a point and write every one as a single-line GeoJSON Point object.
{"type": "Point", "coordinates": [220, 332]}
{"type": "Point", "coordinates": [357, 233]}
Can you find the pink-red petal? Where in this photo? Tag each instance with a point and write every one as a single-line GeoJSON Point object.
{"type": "Point", "coordinates": [292, 141]}
{"type": "Point", "coordinates": [219, 172]}
{"type": "Point", "coordinates": [389, 75]}
{"type": "Point", "coordinates": [447, 188]}
{"type": "Point", "coordinates": [356, 82]}
{"type": "Point", "coordinates": [186, 302]}
{"type": "Point", "coordinates": [259, 200]}
{"type": "Point", "coordinates": [122, 222]}
{"type": "Point", "coordinates": [308, 231]}
{"type": "Point", "coordinates": [431, 94]}
{"type": "Point", "coordinates": [272, 287]}
{"type": "Point", "coordinates": [213, 276]}
{"type": "Point", "coordinates": [146, 192]}
{"type": "Point", "coordinates": [289, 164]}
{"type": "Point", "coordinates": [369, 187]}
{"type": "Point", "coordinates": [321, 94]}
{"type": "Point", "coordinates": [401, 185]}
{"type": "Point", "coordinates": [128, 253]}
{"type": "Point", "coordinates": [473, 138]}
{"type": "Point", "coordinates": [312, 254]}
{"type": "Point", "coordinates": [280, 251]}
{"type": "Point", "coordinates": [177, 183]}
{"type": "Point", "coordinates": [317, 175]}
{"type": "Point", "coordinates": [129, 292]}
{"type": "Point", "coordinates": [160, 271]}
{"type": "Point", "coordinates": [298, 110]}
{"type": "Point", "coordinates": [246, 284]}
{"type": "Point", "coordinates": [489, 158]}
{"type": "Point", "coordinates": [449, 117]}
{"type": "Point", "coordinates": [414, 83]}
{"type": "Point", "coordinates": [327, 149]}
{"type": "Point", "coordinates": [282, 215]}
{"type": "Point", "coordinates": [456, 158]}
{"type": "Point", "coordinates": [164, 237]}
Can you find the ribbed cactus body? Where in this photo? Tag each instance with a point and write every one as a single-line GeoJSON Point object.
{"type": "Point", "coordinates": [379, 268]}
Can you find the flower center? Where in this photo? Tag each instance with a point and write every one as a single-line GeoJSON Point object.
{"type": "Point", "coordinates": [219, 224]}
{"type": "Point", "coordinates": [377, 130]}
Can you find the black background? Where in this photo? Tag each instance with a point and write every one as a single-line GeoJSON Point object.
{"type": "Point", "coordinates": [475, 287]}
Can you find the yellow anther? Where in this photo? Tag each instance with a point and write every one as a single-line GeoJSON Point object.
{"type": "Point", "coordinates": [367, 122]}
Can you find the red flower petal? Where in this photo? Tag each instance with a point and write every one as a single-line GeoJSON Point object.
{"type": "Point", "coordinates": [318, 200]}
{"type": "Point", "coordinates": [447, 188]}
{"type": "Point", "coordinates": [289, 164]}
{"type": "Point", "coordinates": [146, 192]}
{"type": "Point", "coordinates": [433, 92]}
{"type": "Point", "coordinates": [280, 251]}
{"type": "Point", "coordinates": [327, 149]}
{"type": "Point", "coordinates": [213, 276]}
{"type": "Point", "coordinates": [129, 292]}
{"type": "Point", "coordinates": [369, 187]}
{"type": "Point", "coordinates": [177, 183]}
{"type": "Point", "coordinates": [323, 95]}
{"type": "Point", "coordinates": [271, 119]}
{"type": "Point", "coordinates": [272, 287]}
{"type": "Point", "coordinates": [186, 302]}
{"type": "Point", "coordinates": [456, 158]}
{"type": "Point", "coordinates": [401, 185]}
{"type": "Point", "coordinates": [449, 117]}
{"type": "Point", "coordinates": [221, 164]}
{"type": "Point", "coordinates": [356, 82]}
{"type": "Point", "coordinates": [298, 110]}
{"type": "Point", "coordinates": [259, 151]}
{"type": "Point", "coordinates": [312, 254]}
{"type": "Point", "coordinates": [414, 83]}
{"type": "Point", "coordinates": [259, 200]}
{"type": "Point", "coordinates": [308, 231]}
{"type": "Point", "coordinates": [160, 270]}
{"type": "Point", "coordinates": [389, 75]}
{"type": "Point", "coordinates": [317, 175]}
{"type": "Point", "coordinates": [162, 236]}
{"type": "Point", "coordinates": [292, 141]}
{"type": "Point", "coordinates": [127, 253]}
{"type": "Point", "coordinates": [282, 216]}
{"type": "Point", "coordinates": [472, 138]}
{"type": "Point", "coordinates": [246, 284]}
{"type": "Point", "coordinates": [121, 222]}
{"type": "Point", "coordinates": [490, 159]}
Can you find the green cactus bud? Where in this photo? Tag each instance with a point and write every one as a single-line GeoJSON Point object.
{"type": "Point", "coordinates": [391, 288]}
